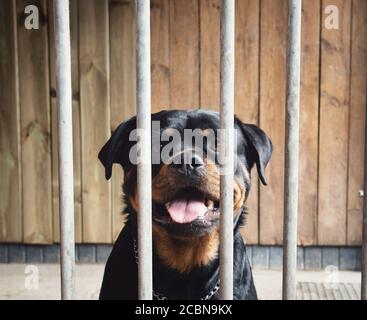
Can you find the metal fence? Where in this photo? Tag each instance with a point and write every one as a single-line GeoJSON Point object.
{"type": "Point", "coordinates": [63, 75]}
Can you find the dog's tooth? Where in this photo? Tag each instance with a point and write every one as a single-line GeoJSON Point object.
{"type": "Point", "coordinates": [210, 204]}
{"type": "Point", "coordinates": [168, 204]}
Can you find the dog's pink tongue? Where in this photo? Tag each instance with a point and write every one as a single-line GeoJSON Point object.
{"type": "Point", "coordinates": [186, 211]}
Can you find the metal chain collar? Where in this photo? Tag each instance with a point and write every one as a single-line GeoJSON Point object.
{"type": "Point", "coordinates": [162, 297]}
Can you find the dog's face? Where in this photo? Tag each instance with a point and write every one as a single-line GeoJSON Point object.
{"type": "Point", "coordinates": [186, 169]}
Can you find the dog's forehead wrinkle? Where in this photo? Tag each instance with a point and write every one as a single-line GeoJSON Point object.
{"type": "Point", "coordinates": [192, 119]}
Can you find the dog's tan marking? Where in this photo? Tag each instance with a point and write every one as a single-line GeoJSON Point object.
{"type": "Point", "coordinates": [206, 132]}
{"type": "Point", "coordinates": [134, 201]}
{"type": "Point", "coordinates": [168, 132]}
{"type": "Point", "coordinates": [238, 195]}
{"type": "Point", "coordinates": [161, 185]}
{"type": "Point", "coordinates": [212, 178]}
{"type": "Point", "coordinates": [183, 254]}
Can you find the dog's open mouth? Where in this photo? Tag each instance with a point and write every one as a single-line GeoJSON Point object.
{"type": "Point", "coordinates": [188, 206]}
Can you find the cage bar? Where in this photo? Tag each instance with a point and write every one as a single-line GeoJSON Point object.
{"type": "Point", "coordinates": [292, 150]}
{"type": "Point", "coordinates": [226, 146]}
{"type": "Point", "coordinates": [144, 156]}
{"type": "Point", "coordinates": [65, 148]}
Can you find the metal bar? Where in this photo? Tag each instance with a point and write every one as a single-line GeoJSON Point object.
{"type": "Point", "coordinates": [65, 148]}
{"type": "Point", "coordinates": [292, 150]}
{"type": "Point", "coordinates": [226, 147]}
{"type": "Point", "coordinates": [364, 232]}
{"type": "Point", "coordinates": [144, 164]}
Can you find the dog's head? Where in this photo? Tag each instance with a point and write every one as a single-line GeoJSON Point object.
{"type": "Point", "coordinates": [186, 169]}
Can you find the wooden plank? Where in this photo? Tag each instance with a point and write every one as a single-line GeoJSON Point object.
{"type": "Point", "coordinates": [10, 165]}
{"type": "Point", "coordinates": [272, 115]}
{"type": "Point", "coordinates": [76, 124]}
{"type": "Point", "coordinates": [74, 29]}
{"type": "Point", "coordinates": [35, 127]}
{"type": "Point", "coordinates": [334, 116]}
{"type": "Point", "coordinates": [54, 133]}
{"type": "Point", "coordinates": [246, 81]}
{"type": "Point", "coordinates": [309, 108]}
{"type": "Point", "coordinates": [357, 122]}
{"type": "Point", "coordinates": [210, 54]}
{"type": "Point", "coordinates": [123, 89]}
{"type": "Point", "coordinates": [247, 94]}
{"type": "Point", "coordinates": [95, 118]}
{"type": "Point", "coordinates": [184, 53]}
{"type": "Point", "coordinates": [160, 55]}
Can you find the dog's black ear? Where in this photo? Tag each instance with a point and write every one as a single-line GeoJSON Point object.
{"type": "Point", "coordinates": [113, 151]}
{"type": "Point", "coordinates": [261, 148]}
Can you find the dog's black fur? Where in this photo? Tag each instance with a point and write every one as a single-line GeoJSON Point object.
{"type": "Point", "coordinates": [120, 278]}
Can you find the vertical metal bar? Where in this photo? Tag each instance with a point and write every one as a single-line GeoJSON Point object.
{"type": "Point", "coordinates": [65, 147]}
{"type": "Point", "coordinates": [364, 232]}
{"type": "Point", "coordinates": [144, 140]}
{"type": "Point", "coordinates": [292, 150]}
{"type": "Point", "coordinates": [226, 146]}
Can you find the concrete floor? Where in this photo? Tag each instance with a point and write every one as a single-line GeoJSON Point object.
{"type": "Point", "coordinates": [19, 281]}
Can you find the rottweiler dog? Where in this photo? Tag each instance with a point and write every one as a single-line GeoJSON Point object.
{"type": "Point", "coordinates": [185, 206]}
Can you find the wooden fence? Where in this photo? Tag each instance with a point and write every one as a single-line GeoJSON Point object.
{"type": "Point", "coordinates": [185, 74]}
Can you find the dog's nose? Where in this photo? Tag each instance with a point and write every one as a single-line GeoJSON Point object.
{"type": "Point", "coordinates": [188, 166]}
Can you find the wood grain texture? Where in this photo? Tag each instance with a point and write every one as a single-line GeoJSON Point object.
{"type": "Point", "coordinates": [247, 74]}
{"type": "Point", "coordinates": [95, 118]}
{"type": "Point", "coordinates": [246, 77]}
{"type": "Point", "coordinates": [35, 127]}
{"type": "Point", "coordinates": [160, 55]}
{"type": "Point", "coordinates": [334, 116]}
{"type": "Point", "coordinates": [358, 95]}
{"type": "Point", "coordinates": [210, 54]}
{"type": "Point", "coordinates": [74, 31]}
{"type": "Point", "coordinates": [123, 89]}
{"type": "Point", "coordinates": [76, 123]}
{"type": "Point", "coordinates": [309, 109]}
{"type": "Point", "coordinates": [184, 54]}
{"type": "Point", "coordinates": [185, 74]}
{"type": "Point", "coordinates": [272, 115]}
{"type": "Point", "coordinates": [10, 160]}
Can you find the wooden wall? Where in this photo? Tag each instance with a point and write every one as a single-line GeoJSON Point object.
{"type": "Point", "coordinates": [185, 74]}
